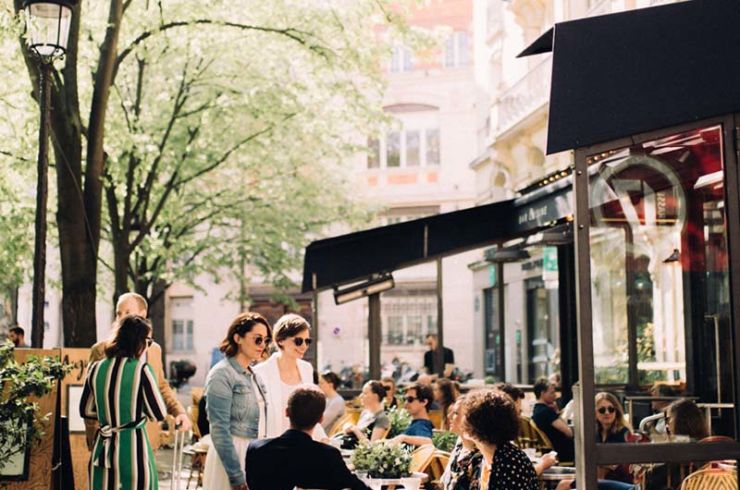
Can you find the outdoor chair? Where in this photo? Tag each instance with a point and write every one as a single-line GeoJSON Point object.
{"type": "Point", "coordinates": [347, 418]}
{"type": "Point", "coordinates": [435, 416]}
{"type": "Point", "coordinates": [530, 436]}
{"type": "Point", "coordinates": [711, 479]}
{"type": "Point", "coordinates": [422, 458]}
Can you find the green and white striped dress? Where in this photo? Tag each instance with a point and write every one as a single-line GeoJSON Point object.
{"type": "Point", "coordinates": [120, 393]}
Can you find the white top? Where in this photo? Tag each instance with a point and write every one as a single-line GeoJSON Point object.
{"type": "Point", "coordinates": [286, 390]}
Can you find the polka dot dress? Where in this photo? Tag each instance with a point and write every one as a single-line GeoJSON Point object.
{"type": "Point", "coordinates": [512, 470]}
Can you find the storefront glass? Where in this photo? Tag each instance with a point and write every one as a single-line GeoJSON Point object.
{"type": "Point", "coordinates": [659, 269]}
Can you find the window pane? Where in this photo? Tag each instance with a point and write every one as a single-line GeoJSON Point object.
{"type": "Point", "coordinates": [408, 60]}
{"type": "Point", "coordinates": [413, 329]}
{"type": "Point", "coordinates": [412, 148]}
{"type": "Point", "coordinates": [373, 153]}
{"type": "Point", "coordinates": [395, 330]}
{"type": "Point", "coordinates": [396, 59]}
{"type": "Point", "coordinates": [432, 146]}
{"type": "Point", "coordinates": [449, 52]}
{"type": "Point", "coordinates": [393, 149]}
{"type": "Point", "coordinates": [461, 39]}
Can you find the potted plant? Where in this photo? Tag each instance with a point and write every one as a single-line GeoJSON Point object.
{"type": "Point", "coordinates": [380, 460]}
{"type": "Point", "coordinates": [400, 421]}
{"type": "Point", "coordinates": [444, 441]}
{"type": "Point", "coordinates": [20, 424]}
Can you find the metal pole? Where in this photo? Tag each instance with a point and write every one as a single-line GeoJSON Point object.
{"type": "Point", "coordinates": [315, 321]}
{"type": "Point", "coordinates": [42, 187]}
{"type": "Point", "coordinates": [374, 334]}
{"type": "Point", "coordinates": [501, 318]}
{"type": "Point", "coordinates": [439, 360]}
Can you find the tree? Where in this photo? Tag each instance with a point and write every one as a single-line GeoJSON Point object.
{"type": "Point", "coordinates": [181, 95]}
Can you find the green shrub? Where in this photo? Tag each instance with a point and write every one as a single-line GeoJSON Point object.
{"type": "Point", "coordinates": [444, 441]}
{"type": "Point", "coordinates": [382, 460]}
{"type": "Point", "coordinates": [400, 421]}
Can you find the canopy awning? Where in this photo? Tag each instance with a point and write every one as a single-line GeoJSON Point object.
{"type": "Point", "coordinates": [687, 70]}
{"type": "Point", "coordinates": [356, 256]}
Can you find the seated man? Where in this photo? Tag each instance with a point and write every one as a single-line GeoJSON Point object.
{"type": "Point", "coordinates": [547, 421]}
{"type": "Point", "coordinates": [294, 459]}
{"type": "Point", "coordinates": [418, 398]}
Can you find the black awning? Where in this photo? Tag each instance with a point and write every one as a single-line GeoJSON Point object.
{"type": "Point", "coordinates": [355, 256]}
{"type": "Point", "coordinates": [627, 73]}
{"type": "Point", "coordinates": [542, 44]}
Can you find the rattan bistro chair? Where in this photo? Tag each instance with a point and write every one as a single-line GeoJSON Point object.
{"type": "Point", "coordinates": [711, 479]}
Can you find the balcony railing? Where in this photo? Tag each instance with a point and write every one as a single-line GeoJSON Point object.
{"type": "Point", "coordinates": [523, 98]}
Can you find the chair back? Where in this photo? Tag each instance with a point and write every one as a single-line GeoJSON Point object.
{"type": "Point", "coordinates": [717, 439]}
{"type": "Point", "coordinates": [435, 416]}
{"type": "Point", "coordinates": [421, 458]}
{"type": "Point", "coordinates": [710, 479]}
{"type": "Point", "coordinates": [348, 418]}
{"type": "Point", "coordinates": [530, 436]}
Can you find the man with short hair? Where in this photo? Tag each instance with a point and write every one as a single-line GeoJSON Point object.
{"type": "Point", "coordinates": [417, 400]}
{"type": "Point", "coordinates": [294, 459]}
{"type": "Point", "coordinates": [550, 423]}
{"type": "Point", "coordinates": [430, 357]}
{"type": "Point", "coordinates": [135, 304]}
{"type": "Point", "coordinates": [17, 335]}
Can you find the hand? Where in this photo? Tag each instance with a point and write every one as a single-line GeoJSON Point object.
{"type": "Point", "coordinates": [349, 428]}
{"type": "Point", "coordinates": [398, 439]}
{"type": "Point", "coordinates": [182, 422]}
{"type": "Point", "coordinates": [549, 460]}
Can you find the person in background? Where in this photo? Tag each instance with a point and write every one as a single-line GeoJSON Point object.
{"type": "Point", "coordinates": [445, 394]}
{"type": "Point", "coordinates": [432, 342]}
{"type": "Point", "coordinates": [514, 393]}
{"type": "Point", "coordinates": [286, 371]}
{"type": "Point", "coordinates": [235, 402]}
{"type": "Point", "coordinates": [135, 304]}
{"type": "Point", "coordinates": [294, 460]}
{"type": "Point", "coordinates": [329, 382]}
{"type": "Point", "coordinates": [656, 425]}
{"type": "Point", "coordinates": [611, 427]}
{"type": "Point", "coordinates": [685, 418]}
{"type": "Point", "coordinates": [17, 335]}
{"type": "Point", "coordinates": [463, 466]}
{"type": "Point", "coordinates": [492, 423]}
{"type": "Point", "coordinates": [120, 392]}
{"type": "Point", "coordinates": [373, 423]}
{"type": "Point", "coordinates": [547, 421]}
{"type": "Point", "coordinates": [390, 392]}
{"type": "Point", "coordinates": [417, 398]}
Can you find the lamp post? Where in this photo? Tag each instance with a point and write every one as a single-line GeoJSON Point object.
{"type": "Point", "coordinates": [47, 33]}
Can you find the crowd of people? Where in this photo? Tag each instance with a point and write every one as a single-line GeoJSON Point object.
{"type": "Point", "coordinates": [269, 422]}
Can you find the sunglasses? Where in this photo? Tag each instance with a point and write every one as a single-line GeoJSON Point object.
{"type": "Point", "coordinates": [409, 399]}
{"type": "Point", "coordinates": [387, 387]}
{"type": "Point", "coordinates": [604, 410]}
{"type": "Point", "coordinates": [259, 339]}
{"type": "Point", "coordinates": [149, 342]}
{"type": "Point", "coordinates": [298, 341]}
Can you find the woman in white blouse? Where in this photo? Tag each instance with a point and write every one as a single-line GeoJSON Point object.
{"type": "Point", "coordinates": [285, 371]}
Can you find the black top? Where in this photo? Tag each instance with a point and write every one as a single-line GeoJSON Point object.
{"type": "Point", "coordinates": [296, 460]}
{"type": "Point", "coordinates": [544, 416]}
{"type": "Point", "coordinates": [618, 436]}
{"type": "Point", "coordinates": [512, 470]}
{"type": "Point", "coordinates": [429, 359]}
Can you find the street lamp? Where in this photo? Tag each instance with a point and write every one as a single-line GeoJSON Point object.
{"type": "Point", "coordinates": [47, 32]}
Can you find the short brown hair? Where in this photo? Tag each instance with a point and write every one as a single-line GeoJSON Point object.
{"type": "Point", "coordinates": [689, 419]}
{"type": "Point", "coordinates": [423, 392]}
{"type": "Point", "coordinates": [289, 325]}
{"type": "Point", "coordinates": [305, 407]}
{"type": "Point", "coordinates": [130, 337]}
{"type": "Point", "coordinates": [241, 325]}
{"type": "Point", "coordinates": [511, 390]}
{"type": "Point", "coordinates": [490, 417]}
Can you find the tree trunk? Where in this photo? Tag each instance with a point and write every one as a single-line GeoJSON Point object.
{"type": "Point", "coordinates": [156, 312]}
{"type": "Point", "coordinates": [121, 253]}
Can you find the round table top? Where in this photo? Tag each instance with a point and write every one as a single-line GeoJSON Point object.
{"type": "Point", "coordinates": [558, 473]}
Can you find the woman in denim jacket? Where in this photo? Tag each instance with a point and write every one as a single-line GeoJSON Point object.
{"type": "Point", "coordinates": [235, 402]}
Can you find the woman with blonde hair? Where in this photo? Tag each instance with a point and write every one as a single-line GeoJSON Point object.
{"type": "Point", "coordinates": [286, 371]}
{"type": "Point", "coordinates": [611, 427]}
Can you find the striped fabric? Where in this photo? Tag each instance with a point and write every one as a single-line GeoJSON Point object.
{"type": "Point", "coordinates": [120, 393]}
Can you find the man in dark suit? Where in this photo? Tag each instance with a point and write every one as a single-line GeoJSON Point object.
{"type": "Point", "coordinates": [294, 459]}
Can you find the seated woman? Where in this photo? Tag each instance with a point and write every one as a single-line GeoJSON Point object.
{"type": "Point", "coordinates": [390, 389]}
{"type": "Point", "coordinates": [445, 394]}
{"type": "Point", "coordinates": [329, 382]}
{"type": "Point", "coordinates": [463, 466]}
{"type": "Point", "coordinates": [685, 418]}
{"type": "Point", "coordinates": [492, 423]}
{"type": "Point", "coordinates": [611, 427]}
{"type": "Point", "coordinates": [373, 423]}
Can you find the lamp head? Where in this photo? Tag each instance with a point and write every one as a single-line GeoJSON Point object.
{"type": "Point", "coordinates": [47, 27]}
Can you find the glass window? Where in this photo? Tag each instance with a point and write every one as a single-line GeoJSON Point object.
{"type": "Point", "coordinates": [492, 363]}
{"type": "Point", "coordinates": [402, 60]}
{"type": "Point", "coordinates": [395, 330]}
{"type": "Point", "coordinates": [412, 149]}
{"type": "Point", "coordinates": [432, 147]}
{"type": "Point", "coordinates": [456, 50]}
{"type": "Point", "coordinates": [393, 149]}
{"type": "Point", "coordinates": [373, 153]}
{"type": "Point", "coordinates": [659, 270]}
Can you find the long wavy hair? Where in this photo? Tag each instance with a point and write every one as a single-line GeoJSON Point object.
{"type": "Point", "coordinates": [619, 421]}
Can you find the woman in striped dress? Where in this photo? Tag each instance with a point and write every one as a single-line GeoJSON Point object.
{"type": "Point", "coordinates": [120, 392]}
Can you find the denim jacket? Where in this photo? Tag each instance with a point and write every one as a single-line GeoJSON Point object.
{"type": "Point", "coordinates": [231, 404]}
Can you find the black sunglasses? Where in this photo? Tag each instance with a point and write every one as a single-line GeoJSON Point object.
{"type": "Point", "coordinates": [603, 410]}
{"type": "Point", "coordinates": [149, 342]}
{"type": "Point", "coordinates": [298, 341]}
{"type": "Point", "coordinates": [409, 399]}
{"type": "Point", "coordinates": [258, 339]}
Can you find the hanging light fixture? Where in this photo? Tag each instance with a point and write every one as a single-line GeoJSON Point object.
{"type": "Point", "coordinates": [47, 26]}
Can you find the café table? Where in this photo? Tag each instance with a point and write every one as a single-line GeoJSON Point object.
{"type": "Point", "coordinates": [555, 474]}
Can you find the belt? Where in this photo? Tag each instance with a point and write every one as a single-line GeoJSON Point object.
{"type": "Point", "coordinates": [106, 432]}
